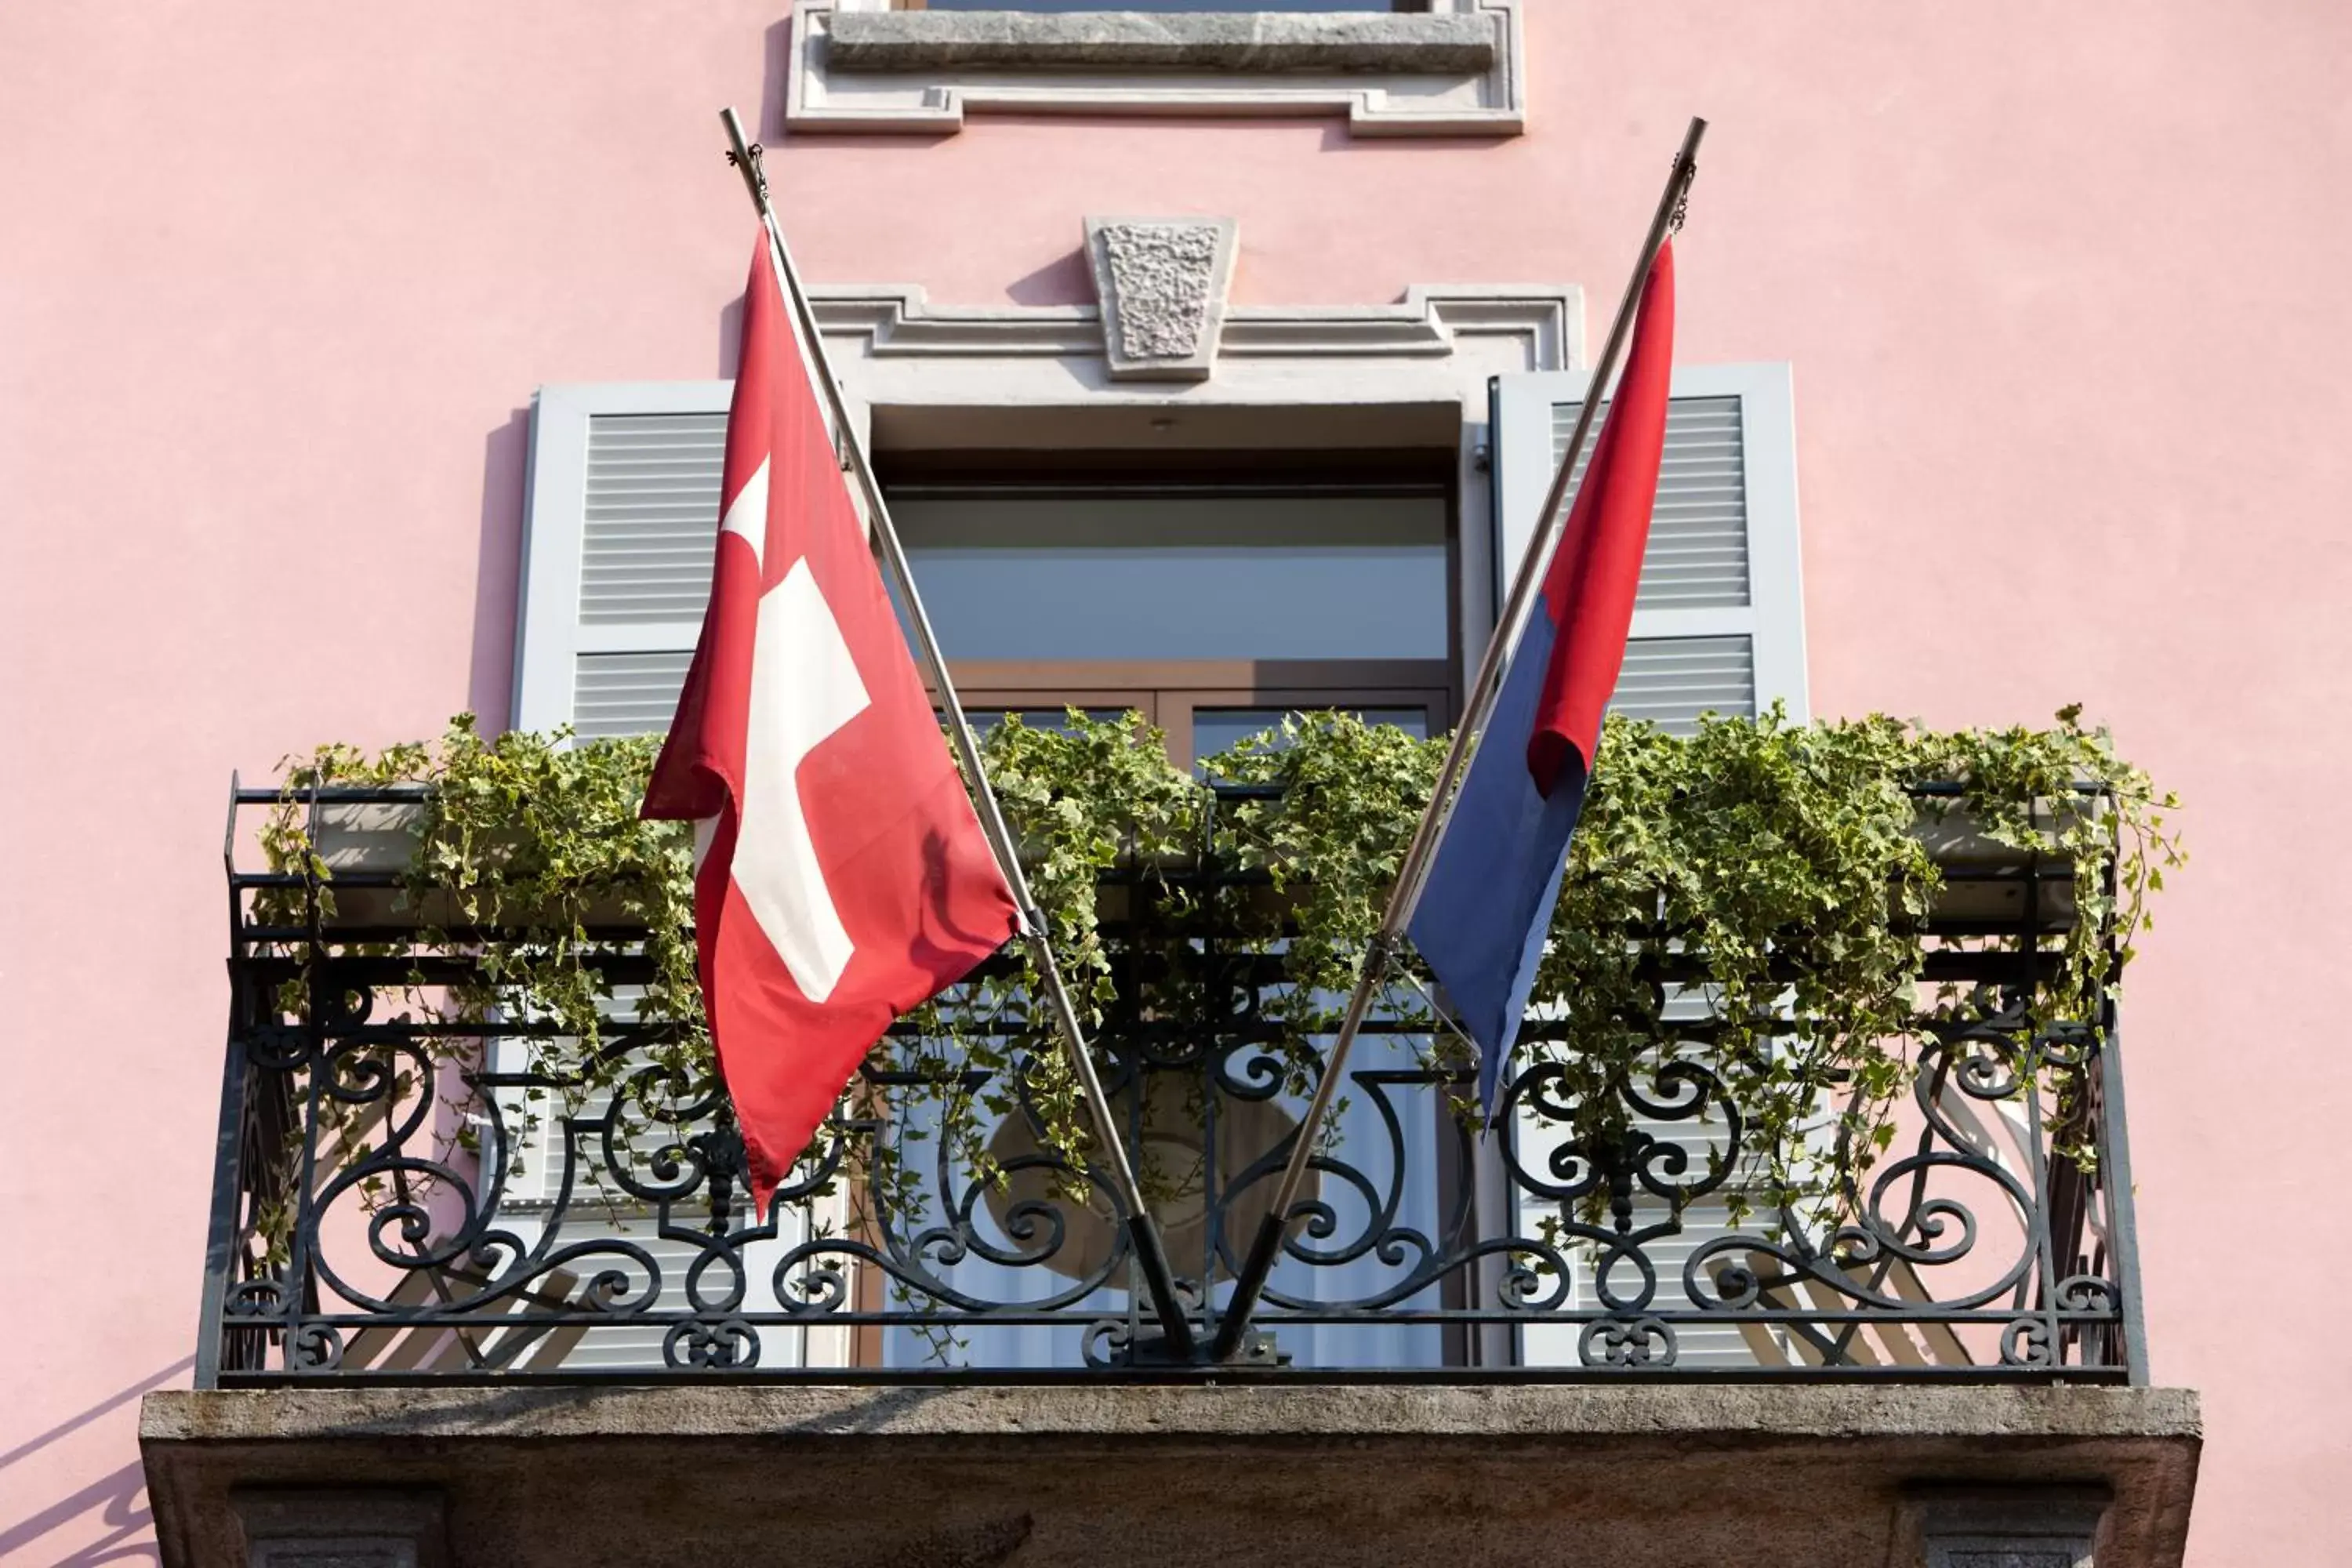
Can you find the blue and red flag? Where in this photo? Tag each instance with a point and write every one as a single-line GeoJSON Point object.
{"type": "Point", "coordinates": [1480, 922]}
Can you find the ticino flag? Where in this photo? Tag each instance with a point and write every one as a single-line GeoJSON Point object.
{"type": "Point", "coordinates": [841, 876]}
{"type": "Point", "coordinates": [1487, 902]}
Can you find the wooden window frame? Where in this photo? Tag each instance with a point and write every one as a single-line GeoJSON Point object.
{"type": "Point", "coordinates": [1168, 693]}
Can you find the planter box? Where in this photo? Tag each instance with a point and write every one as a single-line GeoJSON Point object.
{"type": "Point", "coordinates": [367, 847]}
{"type": "Point", "coordinates": [1986, 882]}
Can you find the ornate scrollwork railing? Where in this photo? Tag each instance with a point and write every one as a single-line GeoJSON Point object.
{"type": "Point", "coordinates": [400, 1196]}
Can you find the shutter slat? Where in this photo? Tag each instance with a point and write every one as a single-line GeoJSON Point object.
{"type": "Point", "coordinates": [627, 693]}
{"type": "Point", "coordinates": [659, 427]}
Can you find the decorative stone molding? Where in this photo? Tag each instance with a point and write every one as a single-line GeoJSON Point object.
{"type": "Point", "coordinates": [1542, 323]}
{"type": "Point", "coordinates": [1162, 283]}
{"type": "Point", "coordinates": [1453, 70]}
{"type": "Point", "coordinates": [369, 1528]}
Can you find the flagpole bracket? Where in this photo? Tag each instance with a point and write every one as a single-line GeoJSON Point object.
{"type": "Point", "coordinates": [1152, 1352]}
{"type": "Point", "coordinates": [753, 165]}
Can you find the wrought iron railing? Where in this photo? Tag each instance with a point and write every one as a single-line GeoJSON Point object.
{"type": "Point", "coordinates": [402, 1198]}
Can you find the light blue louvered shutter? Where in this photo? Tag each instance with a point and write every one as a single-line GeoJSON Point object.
{"type": "Point", "coordinates": [622, 518]}
{"type": "Point", "coordinates": [1719, 624]}
{"type": "Point", "coordinates": [619, 525]}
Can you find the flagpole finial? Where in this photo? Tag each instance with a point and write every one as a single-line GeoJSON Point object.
{"type": "Point", "coordinates": [754, 155]}
{"type": "Point", "coordinates": [747, 158]}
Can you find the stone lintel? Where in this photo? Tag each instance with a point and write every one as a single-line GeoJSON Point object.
{"type": "Point", "coordinates": [1433, 44]}
{"type": "Point", "coordinates": [1239, 1472]}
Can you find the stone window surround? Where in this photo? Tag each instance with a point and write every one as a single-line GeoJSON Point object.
{"type": "Point", "coordinates": [917, 375]}
{"type": "Point", "coordinates": [1453, 70]}
{"type": "Point", "coordinates": [1321, 376]}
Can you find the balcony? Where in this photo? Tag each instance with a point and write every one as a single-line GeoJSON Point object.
{"type": "Point", "coordinates": [613, 1239]}
{"type": "Point", "coordinates": [421, 1217]}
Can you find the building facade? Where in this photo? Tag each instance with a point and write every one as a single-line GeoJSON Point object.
{"type": "Point", "coordinates": [361, 367]}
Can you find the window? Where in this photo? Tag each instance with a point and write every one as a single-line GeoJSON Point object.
{"type": "Point", "coordinates": [1211, 603]}
{"type": "Point", "coordinates": [1426, 68]}
{"type": "Point", "coordinates": [1227, 595]}
{"type": "Point", "coordinates": [1157, 5]}
{"type": "Point", "coordinates": [625, 483]}
{"type": "Point", "coordinates": [1211, 598]}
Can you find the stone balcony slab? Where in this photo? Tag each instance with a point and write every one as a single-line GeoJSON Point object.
{"type": "Point", "coordinates": [1249, 1471]}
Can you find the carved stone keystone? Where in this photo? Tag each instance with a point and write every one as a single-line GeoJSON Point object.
{"type": "Point", "coordinates": [1162, 285]}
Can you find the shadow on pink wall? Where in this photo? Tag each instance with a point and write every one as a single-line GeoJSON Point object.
{"type": "Point", "coordinates": [498, 572]}
{"type": "Point", "coordinates": [1063, 280]}
{"type": "Point", "coordinates": [109, 1516]}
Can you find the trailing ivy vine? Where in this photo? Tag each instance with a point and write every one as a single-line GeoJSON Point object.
{"type": "Point", "coordinates": [1774, 874]}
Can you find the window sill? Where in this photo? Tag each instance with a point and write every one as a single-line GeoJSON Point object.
{"type": "Point", "coordinates": [1452, 72]}
{"type": "Point", "coordinates": [1125, 40]}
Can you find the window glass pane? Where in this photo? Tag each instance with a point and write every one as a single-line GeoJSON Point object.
{"type": "Point", "coordinates": [1177, 5]}
{"type": "Point", "coordinates": [1216, 730]}
{"type": "Point", "coordinates": [1220, 575]}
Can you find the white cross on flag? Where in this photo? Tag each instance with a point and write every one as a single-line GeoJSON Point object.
{"type": "Point", "coordinates": [841, 876]}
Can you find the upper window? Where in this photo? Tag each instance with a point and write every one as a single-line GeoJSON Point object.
{"type": "Point", "coordinates": [1440, 67]}
{"type": "Point", "coordinates": [1159, 6]}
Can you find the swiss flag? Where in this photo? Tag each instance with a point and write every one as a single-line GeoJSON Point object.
{"type": "Point", "coordinates": [841, 876]}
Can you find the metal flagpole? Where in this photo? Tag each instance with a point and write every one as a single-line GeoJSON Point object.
{"type": "Point", "coordinates": [1152, 1256]}
{"type": "Point", "coordinates": [1486, 687]}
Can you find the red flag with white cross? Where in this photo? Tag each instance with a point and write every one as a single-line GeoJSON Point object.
{"type": "Point", "coordinates": [841, 876]}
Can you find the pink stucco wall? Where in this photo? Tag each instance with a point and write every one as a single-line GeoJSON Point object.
{"type": "Point", "coordinates": [2062, 285]}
